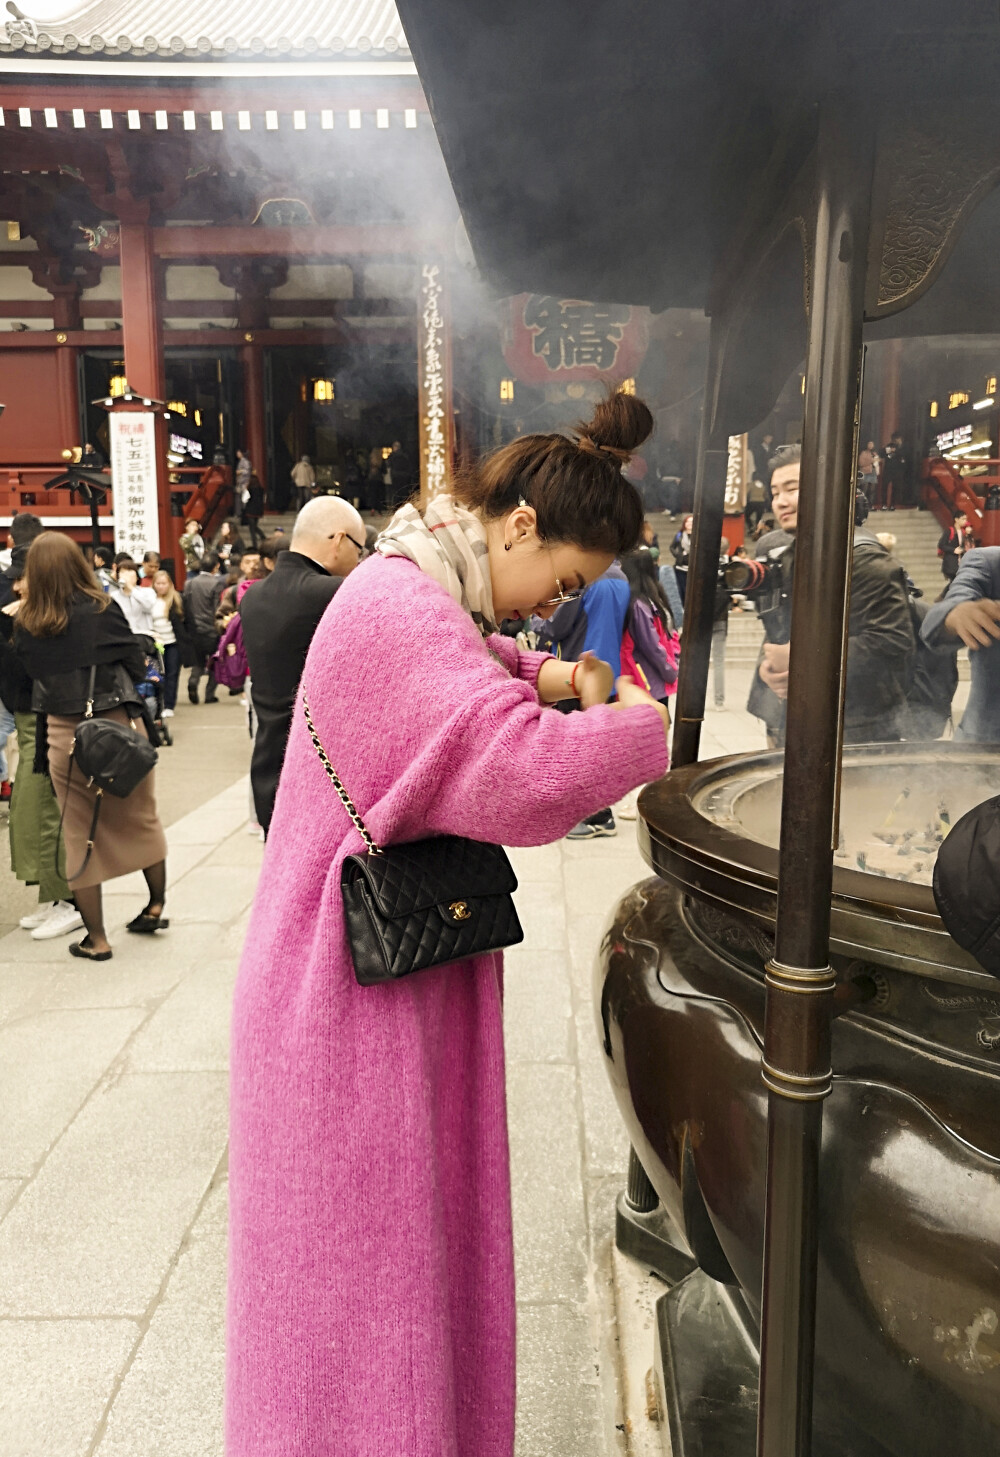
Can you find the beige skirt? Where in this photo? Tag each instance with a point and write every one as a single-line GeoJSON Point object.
{"type": "Point", "coordinates": [129, 834]}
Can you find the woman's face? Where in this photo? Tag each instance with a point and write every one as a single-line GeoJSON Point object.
{"type": "Point", "coordinates": [689, 524]}
{"type": "Point", "coordinates": [527, 577]}
{"type": "Point", "coordinates": [127, 577]}
{"type": "Point", "coordinates": [161, 584]}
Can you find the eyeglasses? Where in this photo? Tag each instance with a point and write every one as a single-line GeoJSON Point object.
{"type": "Point", "coordinates": [563, 595]}
{"type": "Point", "coordinates": [359, 544]}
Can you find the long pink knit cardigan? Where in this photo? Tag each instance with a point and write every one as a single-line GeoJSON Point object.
{"type": "Point", "coordinates": [371, 1287]}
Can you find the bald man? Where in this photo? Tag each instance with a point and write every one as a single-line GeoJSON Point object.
{"type": "Point", "coordinates": [280, 615]}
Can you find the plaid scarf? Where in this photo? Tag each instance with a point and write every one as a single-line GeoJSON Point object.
{"type": "Point", "coordinates": [449, 544]}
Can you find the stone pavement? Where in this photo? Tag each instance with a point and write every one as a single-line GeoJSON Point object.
{"type": "Point", "coordinates": [113, 1084]}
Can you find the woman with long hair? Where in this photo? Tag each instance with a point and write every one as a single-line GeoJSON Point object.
{"type": "Point", "coordinates": [67, 631]}
{"type": "Point", "coordinates": [371, 1278]}
{"type": "Point", "coordinates": [648, 652]}
{"type": "Point", "coordinates": [171, 633]}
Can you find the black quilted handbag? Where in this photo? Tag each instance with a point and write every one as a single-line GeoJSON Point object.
{"type": "Point", "coordinates": [428, 903]}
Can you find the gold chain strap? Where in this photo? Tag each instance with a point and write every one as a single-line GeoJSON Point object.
{"type": "Point", "coordinates": [345, 798]}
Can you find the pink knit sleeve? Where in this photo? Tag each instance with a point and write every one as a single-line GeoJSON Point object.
{"type": "Point", "coordinates": [519, 664]}
{"type": "Point", "coordinates": [517, 773]}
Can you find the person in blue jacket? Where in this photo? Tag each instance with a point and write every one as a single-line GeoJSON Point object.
{"type": "Point", "coordinates": [970, 613]}
{"type": "Point", "coordinates": [591, 623]}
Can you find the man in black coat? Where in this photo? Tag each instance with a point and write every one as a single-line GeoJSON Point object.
{"type": "Point", "coordinates": [280, 615]}
{"type": "Point", "coordinates": [201, 594]}
{"type": "Point", "coordinates": [880, 643]}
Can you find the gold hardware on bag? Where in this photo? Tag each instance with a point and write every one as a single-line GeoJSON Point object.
{"type": "Point", "coordinates": [460, 911]}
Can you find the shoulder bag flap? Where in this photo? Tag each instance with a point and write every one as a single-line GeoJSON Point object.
{"type": "Point", "coordinates": [434, 872]}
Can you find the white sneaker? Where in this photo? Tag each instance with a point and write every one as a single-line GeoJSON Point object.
{"type": "Point", "coordinates": [28, 923]}
{"type": "Point", "coordinates": [167, 713]}
{"type": "Point", "coordinates": [64, 918]}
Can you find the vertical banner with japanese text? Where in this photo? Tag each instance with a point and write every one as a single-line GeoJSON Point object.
{"type": "Point", "coordinates": [737, 475]}
{"type": "Point", "coordinates": [434, 365]}
{"type": "Point", "coordinates": [133, 477]}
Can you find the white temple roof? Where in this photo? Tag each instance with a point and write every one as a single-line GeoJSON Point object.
{"type": "Point", "coordinates": [192, 29]}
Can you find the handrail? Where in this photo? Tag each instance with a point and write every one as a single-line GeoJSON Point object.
{"type": "Point", "coordinates": [946, 491]}
{"type": "Point", "coordinates": [211, 499]}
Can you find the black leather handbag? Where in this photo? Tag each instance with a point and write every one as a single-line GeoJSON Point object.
{"type": "Point", "coordinates": [113, 758]}
{"type": "Point", "coordinates": [427, 903]}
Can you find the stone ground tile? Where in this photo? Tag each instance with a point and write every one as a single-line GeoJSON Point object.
{"type": "Point", "coordinates": [550, 1233]}
{"type": "Point", "coordinates": [584, 934]}
{"type": "Point", "coordinates": [600, 1196]}
{"type": "Point", "coordinates": [229, 942]}
{"type": "Point", "coordinates": [57, 1376]}
{"type": "Point", "coordinates": [214, 893]}
{"type": "Point", "coordinates": [96, 1229]}
{"type": "Point", "coordinates": [539, 906]}
{"type": "Point", "coordinates": [597, 887]}
{"type": "Point", "coordinates": [558, 1396]}
{"type": "Point", "coordinates": [49, 1062]}
{"type": "Point", "coordinates": [170, 1403]}
{"type": "Point", "coordinates": [190, 1030]}
{"type": "Point", "coordinates": [536, 862]}
{"type": "Point", "coordinates": [207, 825]}
{"type": "Point", "coordinates": [605, 1139]}
{"type": "Point", "coordinates": [22, 985]}
{"type": "Point", "coordinates": [121, 982]}
{"type": "Point", "coordinates": [239, 848]}
{"type": "Point", "coordinates": [537, 1010]}
{"type": "Point", "coordinates": [636, 1294]}
{"type": "Point", "coordinates": [8, 1190]}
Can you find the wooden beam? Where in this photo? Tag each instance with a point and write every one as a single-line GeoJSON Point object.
{"type": "Point", "coordinates": [381, 240]}
{"type": "Point", "coordinates": [210, 338]}
{"type": "Point", "coordinates": [310, 94]}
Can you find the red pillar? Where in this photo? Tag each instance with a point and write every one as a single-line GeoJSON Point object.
{"type": "Point", "coordinates": [255, 435]}
{"type": "Point", "coordinates": [144, 365]}
{"type": "Point", "coordinates": [67, 399]}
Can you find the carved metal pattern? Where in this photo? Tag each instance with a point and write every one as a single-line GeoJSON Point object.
{"type": "Point", "coordinates": [933, 182]}
{"type": "Point", "coordinates": [735, 935]}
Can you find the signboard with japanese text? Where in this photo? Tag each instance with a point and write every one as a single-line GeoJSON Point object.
{"type": "Point", "coordinates": [434, 367]}
{"type": "Point", "coordinates": [737, 475]}
{"type": "Point", "coordinates": [133, 476]}
{"type": "Point", "coordinates": [551, 340]}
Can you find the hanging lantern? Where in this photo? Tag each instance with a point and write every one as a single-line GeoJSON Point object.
{"type": "Point", "coordinates": [506, 389]}
{"type": "Point", "coordinates": [117, 386]}
{"type": "Point", "coordinates": [323, 390]}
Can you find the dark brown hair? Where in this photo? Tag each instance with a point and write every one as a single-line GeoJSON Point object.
{"type": "Point", "coordinates": [576, 487]}
{"type": "Point", "coordinates": [56, 571]}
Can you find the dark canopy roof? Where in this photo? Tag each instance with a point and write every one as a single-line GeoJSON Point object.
{"type": "Point", "coordinates": [610, 151]}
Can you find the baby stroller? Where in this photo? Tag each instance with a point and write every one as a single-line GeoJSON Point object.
{"type": "Point", "coordinates": [151, 688]}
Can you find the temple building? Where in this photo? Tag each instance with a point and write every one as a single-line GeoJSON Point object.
{"type": "Point", "coordinates": [241, 230]}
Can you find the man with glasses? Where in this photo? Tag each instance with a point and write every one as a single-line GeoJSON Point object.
{"type": "Point", "coordinates": [280, 615]}
{"type": "Point", "coordinates": [880, 637]}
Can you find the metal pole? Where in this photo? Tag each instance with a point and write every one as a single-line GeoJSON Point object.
{"type": "Point", "coordinates": [797, 1059]}
{"type": "Point", "coordinates": [703, 567]}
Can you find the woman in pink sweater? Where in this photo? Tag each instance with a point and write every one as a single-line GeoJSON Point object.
{"type": "Point", "coordinates": [371, 1284]}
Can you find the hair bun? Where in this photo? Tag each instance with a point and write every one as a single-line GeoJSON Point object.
{"type": "Point", "coordinates": [619, 422]}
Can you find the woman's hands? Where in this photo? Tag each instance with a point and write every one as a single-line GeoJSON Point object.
{"type": "Point", "coordinates": [630, 695]}
{"type": "Point", "coordinates": [594, 681]}
{"type": "Point", "coordinates": [590, 680]}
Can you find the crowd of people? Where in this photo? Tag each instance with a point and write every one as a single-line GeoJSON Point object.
{"type": "Point", "coordinates": [500, 669]}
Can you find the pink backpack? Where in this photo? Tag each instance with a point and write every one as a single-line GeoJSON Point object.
{"type": "Point", "coordinates": [228, 663]}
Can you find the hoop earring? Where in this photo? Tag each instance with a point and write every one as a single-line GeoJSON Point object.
{"type": "Point", "coordinates": [507, 545]}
